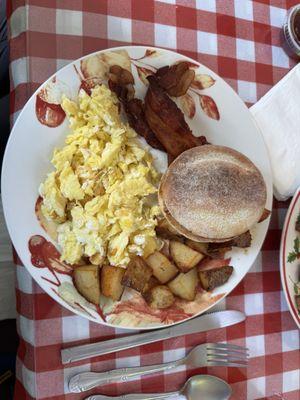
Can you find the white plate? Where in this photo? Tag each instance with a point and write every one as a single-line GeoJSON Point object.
{"type": "Point", "coordinates": [27, 161]}
{"type": "Point", "coordinates": [290, 271]}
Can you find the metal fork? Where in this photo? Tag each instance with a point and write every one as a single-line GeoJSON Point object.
{"type": "Point", "coordinates": [204, 355]}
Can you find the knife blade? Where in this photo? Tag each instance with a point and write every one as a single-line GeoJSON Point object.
{"type": "Point", "coordinates": [203, 323]}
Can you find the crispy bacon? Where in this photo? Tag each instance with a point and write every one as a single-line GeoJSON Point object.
{"type": "Point", "coordinates": [167, 121]}
{"type": "Point", "coordinates": [137, 120]}
{"type": "Point", "coordinates": [264, 215]}
{"type": "Point", "coordinates": [134, 110]}
{"type": "Point", "coordinates": [159, 121]}
{"type": "Point", "coordinates": [175, 79]}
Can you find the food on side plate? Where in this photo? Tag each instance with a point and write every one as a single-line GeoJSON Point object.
{"type": "Point", "coordinates": [137, 274]}
{"type": "Point", "coordinates": [87, 282]}
{"type": "Point", "coordinates": [159, 297]}
{"type": "Point", "coordinates": [184, 257]}
{"type": "Point", "coordinates": [99, 192]}
{"type": "Point", "coordinates": [297, 299]}
{"type": "Point", "coordinates": [184, 285]}
{"type": "Point", "coordinates": [297, 224]}
{"type": "Point", "coordinates": [162, 268]}
{"type": "Point", "coordinates": [212, 194]}
{"type": "Point", "coordinates": [167, 121]}
{"type": "Point", "coordinates": [211, 278]}
{"type": "Point", "coordinates": [294, 255]}
{"type": "Point", "coordinates": [111, 281]}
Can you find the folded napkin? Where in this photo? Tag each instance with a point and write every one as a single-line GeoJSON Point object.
{"type": "Point", "coordinates": [278, 116]}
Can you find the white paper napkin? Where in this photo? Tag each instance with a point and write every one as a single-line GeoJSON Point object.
{"type": "Point", "coordinates": [278, 117]}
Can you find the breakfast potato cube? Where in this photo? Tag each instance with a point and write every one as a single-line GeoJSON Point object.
{"type": "Point", "coordinates": [150, 285]}
{"type": "Point", "coordinates": [111, 278]}
{"type": "Point", "coordinates": [97, 259]}
{"type": "Point", "coordinates": [165, 250]}
{"type": "Point", "coordinates": [184, 285]}
{"type": "Point", "coordinates": [214, 277]}
{"type": "Point", "coordinates": [184, 257]}
{"type": "Point", "coordinates": [162, 267]}
{"type": "Point", "coordinates": [166, 231]}
{"type": "Point", "coordinates": [197, 246]}
{"type": "Point", "coordinates": [87, 282]}
{"type": "Point", "coordinates": [159, 297]}
{"type": "Point", "coordinates": [137, 275]}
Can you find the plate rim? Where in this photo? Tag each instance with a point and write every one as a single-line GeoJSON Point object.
{"type": "Point", "coordinates": [283, 266]}
{"type": "Point", "coordinates": [9, 144]}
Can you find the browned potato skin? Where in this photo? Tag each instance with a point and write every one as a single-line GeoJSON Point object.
{"type": "Point", "coordinates": [197, 246]}
{"type": "Point", "coordinates": [165, 250]}
{"type": "Point", "coordinates": [137, 274]}
{"type": "Point", "coordinates": [166, 231]}
{"type": "Point", "coordinates": [150, 285]}
{"type": "Point", "coordinates": [184, 285]}
{"type": "Point", "coordinates": [159, 297]}
{"type": "Point", "coordinates": [111, 278]}
{"type": "Point", "coordinates": [161, 266]}
{"type": "Point", "coordinates": [214, 277]}
{"type": "Point", "coordinates": [87, 282]}
{"type": "Point", "coordinates": [184, 257]}
{"type": "Point", "coordinates": [213, 250]}
{"type": "Point", "coordinates": [97, 259]}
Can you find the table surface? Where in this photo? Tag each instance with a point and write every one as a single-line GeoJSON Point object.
{"type": "Point", "coordinates": [239, 40]}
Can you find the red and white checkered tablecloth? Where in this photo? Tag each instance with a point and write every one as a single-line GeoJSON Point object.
{"type": "Point", "coordinates": [240, 40]}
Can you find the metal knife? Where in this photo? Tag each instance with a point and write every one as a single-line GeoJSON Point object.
{"type": "Point", "coordinates": [203, 323]}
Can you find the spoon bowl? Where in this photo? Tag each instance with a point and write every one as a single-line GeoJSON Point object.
{"type": "Point", "coordinates": [198, 387]}
{"type": "Point", "coordinates": [206, 387]}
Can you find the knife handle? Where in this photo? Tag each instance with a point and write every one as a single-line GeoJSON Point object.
{"type": "Point", "coordinates": [137, 396]}
{"type": "Point", "coordinates": [88, 380]}
{"type": "Point", "coordinates": [78, 353]}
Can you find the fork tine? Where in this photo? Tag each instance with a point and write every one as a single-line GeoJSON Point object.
{"type": "Point", "coordinates": [225, 364]}
{"type": "Point", "coordinates": [227, 355]}
{"type": "Point", "coordinates": [216, 357]}
{"type": "Point", "coordinates": [225, 346]}
{"type": "Point", "coordinates": [224, 352]}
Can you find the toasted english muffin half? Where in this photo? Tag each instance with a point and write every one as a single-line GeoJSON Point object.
{"type": "Point", "coordinates": [212, 193]}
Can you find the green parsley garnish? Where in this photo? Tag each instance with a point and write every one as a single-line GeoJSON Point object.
{"type": "Point", "coordinates": [293, 255]}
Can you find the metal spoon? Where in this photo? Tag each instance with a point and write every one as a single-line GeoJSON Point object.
{"type": "Point", "coordinates": [198, 387]}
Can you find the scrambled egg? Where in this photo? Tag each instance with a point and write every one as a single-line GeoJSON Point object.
{"type": "Point", "coordinates": [103, 192]}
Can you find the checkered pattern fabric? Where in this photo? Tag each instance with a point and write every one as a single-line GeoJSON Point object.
{"type": "Point", "coordinates": [240, 40]}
